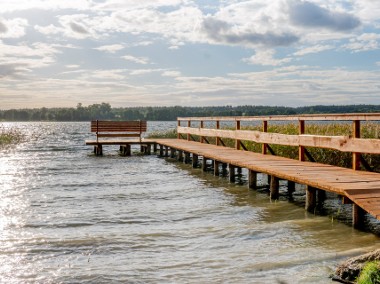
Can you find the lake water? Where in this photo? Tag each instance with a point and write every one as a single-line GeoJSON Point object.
{"type": "Point", "coordinates": [67, 216]}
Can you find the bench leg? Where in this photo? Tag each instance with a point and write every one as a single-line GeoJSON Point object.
{"type": "Point", "coordinates": [98, 150]}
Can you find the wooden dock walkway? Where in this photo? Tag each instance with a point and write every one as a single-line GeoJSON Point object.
{"type": "Point", "coordinates": [362, 188]}
{"type": "Point", "coordinates": [358, 186]}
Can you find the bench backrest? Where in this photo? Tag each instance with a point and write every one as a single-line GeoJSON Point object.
{"type": "Point", "coordinates": [118, 128]}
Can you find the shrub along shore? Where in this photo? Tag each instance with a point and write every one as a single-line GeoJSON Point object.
{"type": "Point", "coordinates": [10, 137]}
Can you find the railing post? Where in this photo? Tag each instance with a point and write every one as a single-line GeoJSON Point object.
{"type": "Point", "coordinates": [201, 126]}
{"type": "Point", "coordinates": [188, 134]}
{"type": "Point", "coordinates": [301, 149]}
{"type": "Point", "coordinates": [356, 156]}
{"type": "Point", "coordinates": [265, 129]}
{"type": "Point", "coordinates": [357, 212]}
{"type": "Point", "coordinates": [237, 141]}
{"type": "Point", "coordinates": [217, 138]}
{"type": "Point", "coordinates": [178, 125]}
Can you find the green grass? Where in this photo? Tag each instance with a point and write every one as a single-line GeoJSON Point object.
{"type": "Point", "coordinates": [326, 156]}
{"type": "Point", "coordinates": [370, 273]}
{"type": "Point", "coordinates": [10, 137]}
{"type": "Point", "coordinates": [172, 133]}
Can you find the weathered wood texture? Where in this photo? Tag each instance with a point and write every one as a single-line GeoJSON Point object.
{"type": "Point", "coordinates": [341, 143]}
{"type": "Point", "coordinates": [362, 188]}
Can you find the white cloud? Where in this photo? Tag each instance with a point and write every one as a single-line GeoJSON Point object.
{"type": "Point", "coordinates": [139, 60]}
{"type": "Point", "coordinates": [313, 49]}
{"type": "Point", "coordinates": [171, 73]}
{"type": "Point", "coordinates": [265, 57]}
{"type": "Point", "coordinates": [13, 28]}
{"type": "Point", "coordinates": [110, 48]}
{"type": "Point", "coordinates": [364, 42]}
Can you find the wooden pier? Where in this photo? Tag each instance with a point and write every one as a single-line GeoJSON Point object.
{"type": "Point", "coordinates": [357, 186]}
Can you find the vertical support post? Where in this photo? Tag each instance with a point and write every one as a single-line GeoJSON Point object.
{"type": "Point", "coordinates": [195, 160]}
{"type": "Point", "coordinates": [178, 125]}
{"type": "Point", "coordinates": [237, 141]}
{"type": "Point", "coordinates": [321, 196]}
{"type": "Point", "coordinates": [97, 131]}
{"type": "Point", "coordinates": [155, 147]}
{"type": "Point", "coordinates": [127, 150]}
{"type": "Point", "coordinates": [217, 139]}
{"type": "Point", "coordinates": [232, 172]}
{"type": "Point", "coordinates": [356, 156]}
{"type": "Point", "coordinates": [357, 212]}
{"type": "Point", "coordinates": [166, 151]}
{"type": "Point", "coordinates": [201, 126]}
{"type": "Point", "coordinates": [357, 216]}
{"type": "Point", "coordinates": [291, 187]}
{"type": "Point", "coordinates": [187, 158]}
{"type": "Point", "coordinates": [264, 148]}
{"type": "Point", "coordinates": [188, 134]}
{"type": "Point", "coordinates": [274, 187]}
{"type": "Point", "coordinates": [301, 149]}
{"type": "Point", "coordinates": [161, 150]}
{"type": "Point", "coordinates": [180, 155]}
{"type": "Point", "coordinates": [172, 152]}
{"type": "Point", "coordinates": [252, 179]}
{"type": "Point", "coordinates": [224, 169]}
{"type": "Point", "coordinates": [310, 201]}
{"type": "Point", "coordinates": [216, 168]}
{"type": "Point", "coordinates": [204, 164]}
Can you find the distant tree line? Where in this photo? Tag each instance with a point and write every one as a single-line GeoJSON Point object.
{"type": "Point", "coordinates": [104, 111]}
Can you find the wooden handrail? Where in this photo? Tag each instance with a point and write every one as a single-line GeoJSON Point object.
{"type": "Point", "coordinates": [341, 143]}
{"type": "Point", "coordinates": [307, 117]}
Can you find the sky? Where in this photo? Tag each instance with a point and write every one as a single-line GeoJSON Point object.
{"type": "Point", "coordinates": [58, 53]}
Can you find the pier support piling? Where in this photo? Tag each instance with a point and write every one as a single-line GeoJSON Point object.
{"type": "Point", "coordinates": [216, 168]}
{"type": "Point", "coordinates": [274, 187]}
{"type": "Point", "coordinates": [252, 179]}
{"type": "Point", "coordinates": [291, 188]}
{"type": "Point", "coordinates": [195, 160]}
{"type": "Point", "coordinates": [358, 215]}
{"type": "Point", "coordinates": [232, 172]}
{"type": "Point", "coordinates": [310, 201]}
{"type": "Point", "coordinates": [204, 164]}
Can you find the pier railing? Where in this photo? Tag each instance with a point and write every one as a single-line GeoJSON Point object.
{"type": "Point", "coordinates": [206, 127]}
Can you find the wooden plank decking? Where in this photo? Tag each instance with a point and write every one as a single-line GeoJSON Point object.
{"type": "Point", "coordinates": [362, 188]}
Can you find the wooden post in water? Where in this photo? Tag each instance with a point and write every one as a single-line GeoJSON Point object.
{"type": "Point", "coordinates": [161, 150]}
{"type": "Point", "coordinates": [310, 201]}
{"type": "Point", "coordinates": [291, 188]}
{"type": "Point", "coordinates": [204, 164]}
{"type": "Point", "coordinates": [172, 152]}
{"type": "Point", "coordinates": [216, 168]}
{"type": "Point", "coordinates": [232, 172]}
{"type": "Point", "coordinates": [252, 179]}
{"type": "Point", "coordinates": [274, 187]}
{"type": "Point", "coordinates": [187, 158]}
{"type": "Point", "coordinates": [301, 149]}
{"type": "Point", "coordinates": [195, 160]}
{"type": "Point", "coordinates": [166, 151]}
{"type": "Point", "coordinates": [224, 169]}
{"type": "Point", "coordinates": [180, 155]}
{"type": "Point", "coordinates": [358, 215]}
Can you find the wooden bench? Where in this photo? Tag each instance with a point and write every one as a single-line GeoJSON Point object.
{"type": "Point", "coordinates": [113, 129]}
